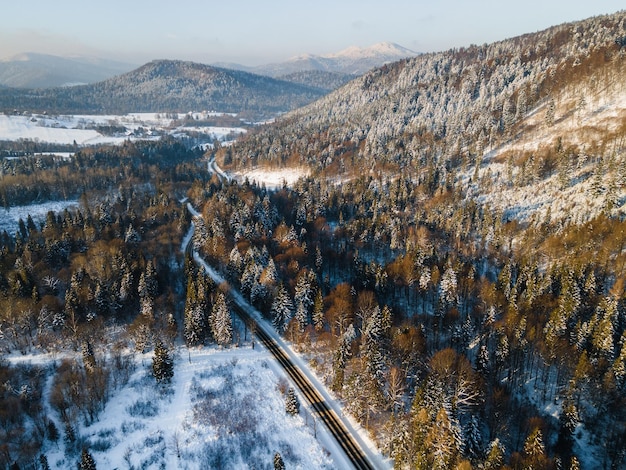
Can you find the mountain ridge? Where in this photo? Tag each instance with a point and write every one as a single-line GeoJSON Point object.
{"type": "Point", "coordinates": [350, 61]}
{"type": "Point", "coordinates": [168, 85]}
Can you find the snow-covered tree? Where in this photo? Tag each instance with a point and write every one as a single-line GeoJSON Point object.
{"type": "Point", "coordinates": [162, 363]}
{"type": "Point", "coordinates": [292, 404]}
{"type": "Point", "coordinates": [304, 297]}
{"type": "Point", "coordinates": [278, 462]}
{"type": "Point", "coordinates": [86, 461]}
{"type": "Point", "coordinates": [282, 309]}
{"type": "Point", "coordinates": [318, 311]}
{"type": "Point", "coordinates": [221, 321]}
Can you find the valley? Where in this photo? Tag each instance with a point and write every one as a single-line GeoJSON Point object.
{"type": "Point", "coordinates": [441, 241]}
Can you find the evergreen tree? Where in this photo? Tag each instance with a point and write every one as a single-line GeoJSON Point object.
{"type": "Point", "coordinates": [86, 461]}
{"type": "Point", "coordinates": [495, 456]}
{"type": "Point", "coordinates": [535, 450]}
{"type": "Point", "coordinates": [473, 439]}
{"type": "Point", "coordinates": [43, 462]}
{"type": "Point", "coordinates": [372, 349]}
{"type": "Point", "coordinates": [162, 363]}
{"type": "Point", "coordinates": [195, 320]}
{"type": "Point", "coordinates": [318, 311]}
{"type": "Point", "coordinates": [292, 404]}
{"type": "Point", "coordinates": [278, 462]}
{"type": "Point", "coordinates": [221, 321]}
{"type": "Point", "coordinates": [148, 286]}
{"type": "Point", "coordinates": [341, 357]}
{"type": "Point", "coordinates": [282, 309]}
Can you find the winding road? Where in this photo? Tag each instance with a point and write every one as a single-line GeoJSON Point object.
{"type": "Point", "coordinates": [322, 410]}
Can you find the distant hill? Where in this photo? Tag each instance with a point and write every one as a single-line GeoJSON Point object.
{"type": "Point", "coordinates": [168, 86]}
{"type": "Point", "coordinates": [350, 62]}
{"type": "Point", "coordinates": [30, 70]}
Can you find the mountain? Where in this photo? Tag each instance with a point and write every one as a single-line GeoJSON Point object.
{"type": "Point", "coordinates": [536, 116]}
{"type": "Point", "coordinates": [351, 61]}
{"type": "Point", "coordinates": [30, 70]}
{"type": "Point", "coordinates": [166, 85]}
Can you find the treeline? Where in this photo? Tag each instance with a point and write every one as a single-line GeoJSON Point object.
{"type": "Point", "coordinates": [100, 170]}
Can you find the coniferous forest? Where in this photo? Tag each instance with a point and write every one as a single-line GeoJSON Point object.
{"type": "Point", "coordinates": [453, 268]}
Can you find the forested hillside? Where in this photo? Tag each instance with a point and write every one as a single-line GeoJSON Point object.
{"type": "Point", "coordinates": [168, 86]}
{"type": "Point", "coordinates": [466, 230]}
{"type": "Point", "coordinates": [554, 100]}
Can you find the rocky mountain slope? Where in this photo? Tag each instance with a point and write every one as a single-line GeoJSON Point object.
{"type": "Point", "coordinates": [168, 86]}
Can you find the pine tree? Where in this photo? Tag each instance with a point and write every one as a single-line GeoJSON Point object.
{"type": "Point", "coordinates": [304, 297]}
{"type": "Point", "coordinates": [195, 321]}
{"type": "Point", "coordinates": [495, 456]}
{"type": "Point", "coordinates": [148, 286]}
{"type": "Point", "coordinates": [43, 462]}
{"type": "Point", "coordinates": [86, 461]}
{"type": "Point", "coordinates": [278, 462]}
{"type": "Point", "coordinates": [372, 349]}
{"type": "Point", "coordinates": [473, 439]}
{"type": "Point", "coordinates": [448, 287]}
{"type": "Point", "coordinates": [341, 357]}
{"type": "Point", "coordinates": [282, 309]}
{"type": "Point", "coordinates": [221, 321]}
{"type": "Point", "coordinates": [318, 311]}
{"type": "Point", "coordinates": [89, 360]}
{"type": "Point", "coordinates": [162, 363]}
{"type": "Point", "coordinates": [602, 339]}
{"type": "Point", "coordinates": [292, 404]}
{"type": "Point", "coordinates": [535, 450]}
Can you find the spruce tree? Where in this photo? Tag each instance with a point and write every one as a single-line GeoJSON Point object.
{"type": "Point", "coordinates": [282, 309]}
{"type": "Point", "coordinates": [162, 363]}
{"type": "Point", "coordinates": [221, 322]}
{"type": "Point", "coordinates": [292, 404]}
{"type": "Point", "coordinates": [318, 311]}
{"type": "Point", "coordinates": [86, 461]}
{"type": "Point", "coordinates": [43, 462]}
{"type": "Point", "coordinates": [278, 462]}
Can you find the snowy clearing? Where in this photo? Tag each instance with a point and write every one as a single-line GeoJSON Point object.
{"type": "Point", "coordinates": [224, 409]}
{"type": "Point", "coordinates": [9, 218]}
{"type": "Point", "coordinates": [273, 179]}
{"type": "Point", "coordinates": [83, 129]}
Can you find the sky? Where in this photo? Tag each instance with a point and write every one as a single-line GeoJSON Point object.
{"type": "Point", "coordinates": [254, 32]}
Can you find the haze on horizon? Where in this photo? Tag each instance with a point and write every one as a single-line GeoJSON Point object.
{"type": "Point", "coordinates": [253, 33]}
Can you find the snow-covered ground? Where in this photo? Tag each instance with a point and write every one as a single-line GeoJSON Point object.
{"type": "Point", "coordinates": [79, 128]}
{"type": "Point", "coordinates": [176, 428]}
{"type": "Point", "coordinates": [223, 404]}
{"type": "Point", "coordinates": [9, 218]}
{"type": "Point", "coordinates": [273, 178]}
{"type": "Point", "coordinates": [577, 124]}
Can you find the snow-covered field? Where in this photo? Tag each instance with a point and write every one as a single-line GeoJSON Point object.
{"type": "Point", "coordinates": [80, 128]}
{"type": "Point", "coordinates": [273, 179]}
{"type": "Point", "coordinates": [225, 408]}
{"type": "Point", "coordinates": [9, 218]}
